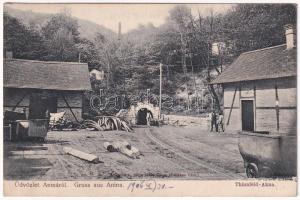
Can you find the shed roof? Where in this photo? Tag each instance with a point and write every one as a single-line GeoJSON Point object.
{"type": "Point", "coordinates": [267, 63]}
{"type": "Point", "coordinates": [50, 75]}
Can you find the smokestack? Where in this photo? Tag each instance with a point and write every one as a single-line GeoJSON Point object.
{"type": "Point", "coordinates": [290, 34]}
{"type": "Point", "coordinates": [119, 31]}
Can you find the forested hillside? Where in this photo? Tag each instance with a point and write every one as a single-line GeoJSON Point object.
{"type": "Point", "coordinates": [182, 44]}
{"type": "Point", "coordinates": [87, 29]}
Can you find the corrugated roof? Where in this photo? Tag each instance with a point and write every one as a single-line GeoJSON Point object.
{"type": "Point", "coordinates": [272, 62]}
{"type": "Point", "coordinates": [34, 74]}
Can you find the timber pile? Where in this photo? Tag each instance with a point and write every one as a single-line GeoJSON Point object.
{"type": "Point", "coordinates": [106, 123]}
{"type": "Point", "coordinates": [124, 148]}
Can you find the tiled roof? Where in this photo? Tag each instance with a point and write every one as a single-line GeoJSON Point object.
{"type": "Point", "coordinates": [45, 75]}
{"type": "Point", "coordinates": [272, 62]}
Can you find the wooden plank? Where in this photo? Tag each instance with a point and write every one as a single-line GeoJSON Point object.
{"type": "Point", "coordinates": [70, 108]}
{"type": "Point", "coordinates": [13, 109]}
{"type": "Point", "coordinates": [277, 107]}
{"type": "Point", "coordinates": [240, 90]}
{"type": "Point", "coordinates": [254, 93]}
{"type": "Point", "coordinates": [231, 106]}
{"type": "Point", "coordinates": [82, 155]}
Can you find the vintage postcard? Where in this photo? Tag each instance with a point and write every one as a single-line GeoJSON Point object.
{"type": "Point", "coordinates": [149, 99]}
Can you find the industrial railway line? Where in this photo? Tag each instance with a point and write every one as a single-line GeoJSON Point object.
{"type": "Point", "coordinates": [185, 159]}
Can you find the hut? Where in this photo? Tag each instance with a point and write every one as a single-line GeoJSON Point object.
{"type": "Point", "coordinates": [260, 89]}
{"type": "Point", "coordinates": [98, 75]}
{"type": "Point", "coordinates": [37, 86]}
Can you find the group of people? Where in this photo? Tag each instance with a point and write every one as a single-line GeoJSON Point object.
{"type": "Point", "coordinates": [217, 122]}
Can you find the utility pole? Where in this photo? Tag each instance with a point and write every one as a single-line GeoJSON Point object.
{"type": "Point", "coordinates": [183, 51]}
{"type": "Point", "coordinates": [202, 99]}
{"type": "Point", "coordinates": [148, 95]}
{"type": "Point", "coordinates": [119, 31]}
{"type": "Point", "coordinates": [160, 87]}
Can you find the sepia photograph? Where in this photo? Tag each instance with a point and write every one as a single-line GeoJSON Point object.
{"type": "Point", "coordinates": [136, 95]}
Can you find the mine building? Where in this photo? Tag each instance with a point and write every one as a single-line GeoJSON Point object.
{"type": "Point", "coordinates": [260, 89]}
{"type": "Point", "coordinates": [37, 86]}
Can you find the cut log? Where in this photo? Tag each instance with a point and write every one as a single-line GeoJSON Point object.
{"type": "Point", "coordinates": [122, 147]}
{"type": "Point", "coordinates": [109, 147]}
{"type": "Point", "coordinates": [135, 150]}
{"type": "Point", "coordinates": [129, 153]}
{"type": "Point", "coordinates": [82, 155]}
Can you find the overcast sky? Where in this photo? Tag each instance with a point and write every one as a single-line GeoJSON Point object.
{"type": "Point", "coordinates": [130, 15]}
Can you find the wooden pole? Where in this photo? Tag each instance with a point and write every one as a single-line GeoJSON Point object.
{"type": "Point", "coordinates": [160, 88]}
{"type": "Point", "coordinates": [202, 99]}
{"type": "Point", "coordinates": [108, 76]}
{"type": "Point", "coordinates": [277, 107]}
{"type": "Point", "coordinates": [70, 108]}
{"type": "Point", "coordinates": [232, 103]}
{"type": "Point", "coordinates": [14, 108]}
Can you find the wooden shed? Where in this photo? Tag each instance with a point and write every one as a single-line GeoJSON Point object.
{"type": "Point", "coordinates": [40, 85]}
{"type": "Point", "coordinates": [260, 89]}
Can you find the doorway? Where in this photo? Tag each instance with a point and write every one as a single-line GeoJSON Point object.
{"type": "Point", "coordinates": [38, 105]}
{"type": "Point", "coordinates": [247, 115]}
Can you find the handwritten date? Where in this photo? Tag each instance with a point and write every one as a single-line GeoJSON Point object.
{"type": "Point", "coordinates": [150, 185]}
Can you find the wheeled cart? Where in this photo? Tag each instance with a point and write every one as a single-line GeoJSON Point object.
{"type": "Point", "coordinates": [268, 155]}
{"type": "Point", "coordinates": [32, 129]}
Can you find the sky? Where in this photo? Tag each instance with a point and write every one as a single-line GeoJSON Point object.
{"type": "Point", "coordinates": [130, 15]}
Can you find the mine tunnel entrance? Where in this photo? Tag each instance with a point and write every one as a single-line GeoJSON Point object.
{"type": "Point", "coordinates": [142, 116]}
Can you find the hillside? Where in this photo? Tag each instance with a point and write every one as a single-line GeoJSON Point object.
{"type": "Point", "coordinates": [86, 29]}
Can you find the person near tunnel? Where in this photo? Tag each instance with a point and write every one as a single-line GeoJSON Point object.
{"type": "Point", "coordinates": [149, 117]}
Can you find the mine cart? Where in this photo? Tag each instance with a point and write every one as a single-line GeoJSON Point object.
{"type": "Point", "coordinates": [268, 155]}
{"type": "Point", "coordinates": [32, 129]}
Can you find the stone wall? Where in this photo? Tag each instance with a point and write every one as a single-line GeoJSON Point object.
{"type": "Point", "coordinates": [178, 120]}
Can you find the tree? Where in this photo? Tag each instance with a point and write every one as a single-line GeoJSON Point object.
{"type": "Point", "coordinates": [88, 53]}
{"type": "Point", "coordinates": [106, 53]}
{"type": "Point", "coordinates": [180, 16]}
{"type": "Point", "coordinates": [255, 26]}
{"type": "Point", "coordinates": [25, 43]}
{"type": "Point", "coordinates": [61, 34]}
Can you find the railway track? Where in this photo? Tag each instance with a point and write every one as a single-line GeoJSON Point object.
{"type": "Point", "coordinates": [220, 172]}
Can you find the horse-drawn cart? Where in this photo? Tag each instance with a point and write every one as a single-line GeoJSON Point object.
{"type": "Point", "coordinates": [268, 155]}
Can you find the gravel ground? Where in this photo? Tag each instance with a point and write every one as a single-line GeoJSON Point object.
{"type": "Point", "coordinates": [219, 149]}
{"type": "Point", "coordinates": [47, 161]}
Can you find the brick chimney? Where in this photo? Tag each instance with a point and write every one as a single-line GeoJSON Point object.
{"type": "Point", "coordinates": [8, 54]}
{"type": "Point", "coordinates": [290, 34]}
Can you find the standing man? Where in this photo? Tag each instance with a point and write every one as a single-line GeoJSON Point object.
{"type": "Point", "coordinates": [220, 121]}
{"type": "Point", "coordinates": [149, 117]}
{"type": "Point", "coordinates": [213, 122]}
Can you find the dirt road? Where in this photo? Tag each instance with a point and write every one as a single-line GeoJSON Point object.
{"type": "Point", "coordinates": [168, 152]}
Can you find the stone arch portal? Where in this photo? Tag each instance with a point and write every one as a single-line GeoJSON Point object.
{"type": "Point", "coordinates": [134, 111]}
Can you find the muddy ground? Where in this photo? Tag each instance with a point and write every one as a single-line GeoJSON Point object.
{"type": "Point", "coordinates": [168, 152]}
